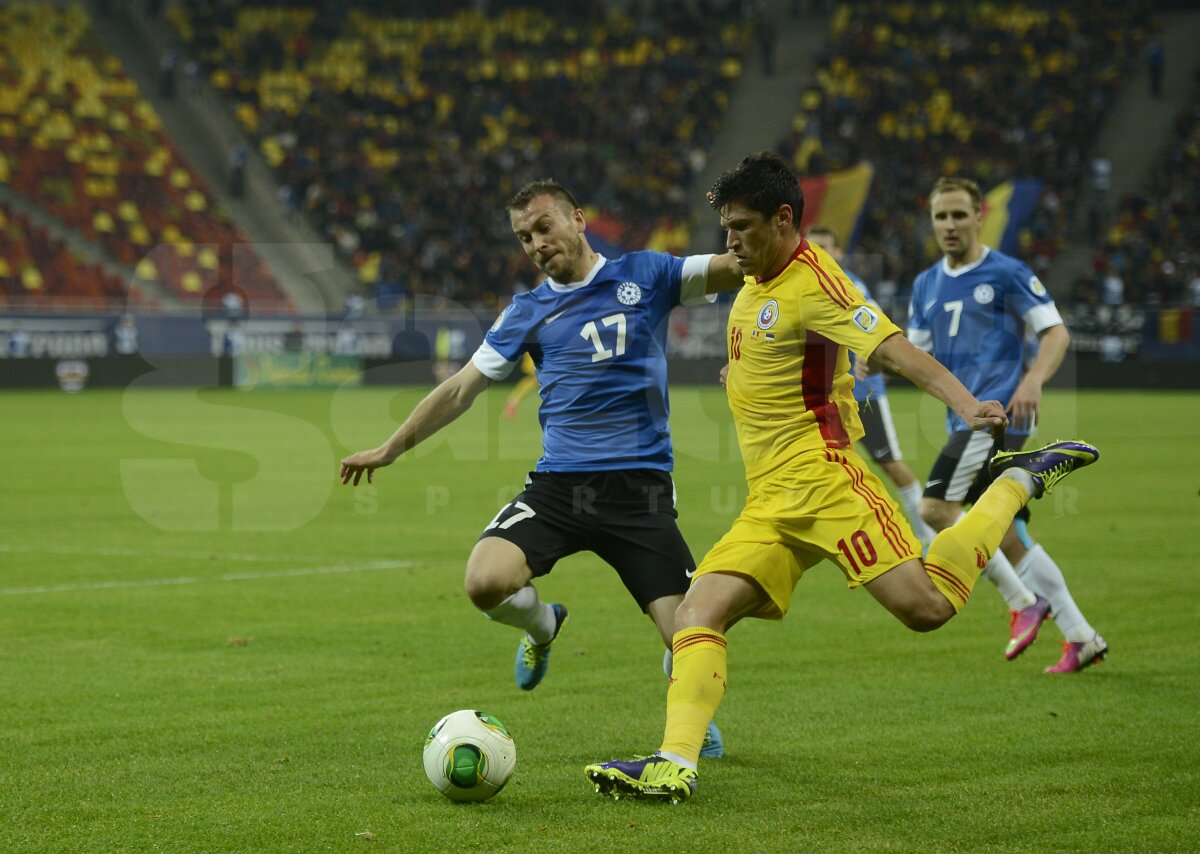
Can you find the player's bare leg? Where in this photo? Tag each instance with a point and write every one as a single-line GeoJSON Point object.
{"type": "Point", "coordinates": [498, 583]}
{"type": "Point", "coordinates": [911, 597]}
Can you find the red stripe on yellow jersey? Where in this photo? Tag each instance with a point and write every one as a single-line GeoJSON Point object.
{"type": "Point", "coordinates": [789, 384]}
{"type": "Point", "coordinates": [880, 507]}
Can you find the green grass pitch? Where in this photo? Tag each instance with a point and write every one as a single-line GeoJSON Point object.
{"type": "Point", "coordinates": [207, 644]}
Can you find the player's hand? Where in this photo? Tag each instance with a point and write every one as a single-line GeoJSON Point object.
{"type": "Point", "coordinates": [1026, 405]}
{"type": "Point", "coordinates": [723, 377]}
{"type": "Point", "coordinates": [987, 415]}
{"type": "Point", "coordinates": [364, 461]}
{"type": "Point", "coordinates": [862, 369]}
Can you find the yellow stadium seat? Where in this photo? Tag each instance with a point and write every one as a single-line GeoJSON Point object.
{"type": "Point", "coordinates": [145, 269]}
{"type": "Point", "coordinates": [191, 282]}
{"type": "Point", "coordinates": [207, 258]}
{"type": "Point", "coordinates": [31, 278]}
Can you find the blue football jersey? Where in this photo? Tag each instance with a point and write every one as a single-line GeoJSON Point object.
{"type": "Point", "coordinates": [973, 320]}
{"type": "Point", "coordinates": [599, 347]}
{"type": "Point", "coordinates": [872, 387]}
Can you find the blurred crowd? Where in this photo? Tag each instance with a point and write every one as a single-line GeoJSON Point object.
{"type": "Point", "coordinates": [79, 141]}
{"type": "Point", "coordinates": [993, 91]}
{"type": "Point", "coordinates": [400, 135]}
{"type": "Point", "coordinates": [1150, 253]}
{"type": "Point", "coordinates": [1144, 279]}
{"type": "Point", "coordinates": [401, 138]}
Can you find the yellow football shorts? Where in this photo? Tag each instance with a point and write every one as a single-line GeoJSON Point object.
{"type": "Point", "coordinates": [823, 504]}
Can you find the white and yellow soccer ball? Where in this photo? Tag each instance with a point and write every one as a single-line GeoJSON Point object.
{"type": "Point", "coordinates": [469, 755]}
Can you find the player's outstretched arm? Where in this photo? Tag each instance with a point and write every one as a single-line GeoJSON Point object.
{"type": "Point", "coordinates": [897, 354]}
{"type": "Point", "coordinates": [724, 274]}
{"type": "Point", "coordinates": [444, 404]}
{"type": "Point", "coordinates": [1026, 403]}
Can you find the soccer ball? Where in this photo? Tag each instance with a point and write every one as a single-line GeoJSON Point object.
{"type": "Point", "coordinates": [469, 755]}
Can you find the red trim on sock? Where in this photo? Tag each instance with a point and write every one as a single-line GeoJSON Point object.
{"type": "Point", "coordinates": [957, 586]}
{"type": "Point", "coordinates": [691, 640]}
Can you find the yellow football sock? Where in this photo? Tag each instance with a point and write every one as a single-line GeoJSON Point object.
{"type": "Point", "coordinates": [697, 687]}
{"type": "Point", "coordinates": [958, 554]}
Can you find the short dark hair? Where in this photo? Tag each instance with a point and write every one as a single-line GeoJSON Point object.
{"type": "Point", "coordinates": [542, 187]}
{"type": "Point", "coordinates": [762, 182]}
{"type": "Point", "coordinates": [949, 185]}
{"type": "Point", "coordinates": [823, 231]}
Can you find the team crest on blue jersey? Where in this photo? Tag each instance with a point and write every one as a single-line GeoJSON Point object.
{"type": "Point", "coordinates": [629, 293]}
{"type": "Point", "coordinates": [865, 319]}
{"type": "Point", "coordinates": [768, 314]}
{"type": "Point", "coordinates": [1035, 285]}
{"type": "Point", "coordinates": [984, 294]}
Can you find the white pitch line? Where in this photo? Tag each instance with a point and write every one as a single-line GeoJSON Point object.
{"type": "Point", "coordinates": [232, 576]}
{"type": "Point", "coordinates": [117, 552]}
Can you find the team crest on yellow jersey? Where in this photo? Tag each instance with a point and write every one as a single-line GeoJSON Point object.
{"type": "Point", "coordinates": [768, 315]}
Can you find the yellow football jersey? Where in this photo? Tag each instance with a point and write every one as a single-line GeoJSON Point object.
{"type": "Point", "coordinates": [789, 384]}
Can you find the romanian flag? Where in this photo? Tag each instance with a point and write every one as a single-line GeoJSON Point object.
{"type": "Point", "coordinates": [1006, 210]}
{"type": "Point", "coordinates": [836, 200]}
{"type": "Point", "coordinates": [669, 236]}
{"type": "Point", "coordinates": [607, 234]}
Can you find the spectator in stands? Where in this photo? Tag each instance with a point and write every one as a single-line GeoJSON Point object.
{"type": "Point", "coordinates": [101, 163]}
{"type": "Point", "coordinates": [1101, 185]}
{"type": "Point", "coordinates": [166, 69]}
{"type": "Point", "coordinates": [1156, 62]}
{"type": "Point", "coordinates": [293, 339]}
{"type": "Point", "coordinates": [232, 305]}
{"type": "Point", "coordinates": [1147, 262]}
{"type": "Point", "coordinates": [389, 170]}
{"type": "Point", "coordinates": [237, 170]}
{"type": "Point", "coordinates": [766, 35]}
{"type": "Point", "coordinates": [18, 344]}
{"type": "Point", "coordinates": [918, 90]}
{"type": "Point", "coordinates": [125, 336]}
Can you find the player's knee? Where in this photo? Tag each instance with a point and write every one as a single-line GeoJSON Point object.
{"type": "Point", "coordinates": [929, 613]}
{"type": "Point", "coordinates": [488, 584]}
{"type": "Point", "coordinates": [685, 615]}
{"type": "Point", "coordinates": [697, 611]}
{"type": "Point", "coordinates": [482, 590]}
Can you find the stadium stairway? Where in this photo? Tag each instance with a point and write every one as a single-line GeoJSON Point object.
{"type": "Point", "coordinates": [762, 107]}
{"type": "Point", "coordinates": [1137, 128]}
{"type": "Point", "coordinates": [85, 249]}
{"type": "Point", "coordinates": [303, 262]}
